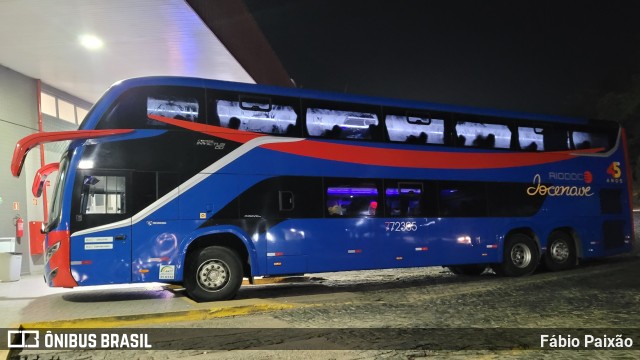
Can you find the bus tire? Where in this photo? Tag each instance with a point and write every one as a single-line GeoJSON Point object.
{"type": "Point", "coordinates": [471, 270]}
{"type": "Point", "coordinates": [215, 273]}
{"type": "Point", "coordinates": [521, 256]}
{"type": "Point", "coordinates": [561, 252]}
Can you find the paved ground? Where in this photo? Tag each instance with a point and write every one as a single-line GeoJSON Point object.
{"type": "Point", "coordinates": [406, 314]}
{"type": "Point", "coordinates": [465, 317]}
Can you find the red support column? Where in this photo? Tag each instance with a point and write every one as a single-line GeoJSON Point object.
{"type": "Point", "coordinates": [42, 160]}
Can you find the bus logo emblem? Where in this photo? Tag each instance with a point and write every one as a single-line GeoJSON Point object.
{"type": "Point", "coordinates": [167, 272]}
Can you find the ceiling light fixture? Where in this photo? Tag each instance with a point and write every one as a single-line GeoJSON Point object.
{"type": "Point", "coordinates": [91, 42]}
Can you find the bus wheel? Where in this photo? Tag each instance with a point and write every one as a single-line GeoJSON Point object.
{"type": "Point", "coordinates": [475, 269]}
{"type": "Point", "coordinates": [521, 256]}
{"type": "Point", "coordinates": [561, 252]}
{"type": "Point", "coordinates": [214, 274]}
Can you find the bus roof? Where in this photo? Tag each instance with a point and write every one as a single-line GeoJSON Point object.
{"type": "Point", "coordinates": [119, 87]}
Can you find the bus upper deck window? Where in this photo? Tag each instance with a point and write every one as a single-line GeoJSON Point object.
{"type": "Point", "coordinates": [173, 108]}
{"type": "Point", "coordinates": [483, 135]}
{"type": "Point", "coordinates": [255, 104]}
{"type": "Point", "coordinates": [589, 140]}
{"type": "Point", "coordinates": [530, 139]}
{"type": "Point", "coordinates": [132, 110]}
{"type": "Point", "coordinates": [415, 130]}
{"type": "Point", "coordinates": [262, 117]}
{"type": "Point", "coordinates": [341, 124]}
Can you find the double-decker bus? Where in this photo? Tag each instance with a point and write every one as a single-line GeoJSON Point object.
{"type": "Point", "coordinates": [204, 183]}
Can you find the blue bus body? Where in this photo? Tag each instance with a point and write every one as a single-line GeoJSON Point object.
{"type": "Point", "coordinates": [286, 204]}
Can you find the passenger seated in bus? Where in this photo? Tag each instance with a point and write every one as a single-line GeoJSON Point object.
{"type": "Point", "coordinates": [234, 123]}
{"type": "Point", "coordinates": [531, 147]}
{"type": "Point", "coordinates": [478, 141]}
{"type": "Point", "coordinates": [373, 207]}
{"type": "Point", "coordinates": [461, 140]}
{"type": "Point", "coordinates": [420, 139]}
{"type": "Point", "coordinates": [334, 133]}
{"type": "Point", "coordinates": [335, 209]}
{"type": "Point", "coordinates": [488, 142]}
{"type": "Point", "coordinates": [291, 130]}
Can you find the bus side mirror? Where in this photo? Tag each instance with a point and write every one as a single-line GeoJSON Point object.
{"type": "Point", "coordinates": [40, 178]}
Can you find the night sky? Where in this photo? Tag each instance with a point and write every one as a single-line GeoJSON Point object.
{"type": "Point", "coordinates": [554, 57]}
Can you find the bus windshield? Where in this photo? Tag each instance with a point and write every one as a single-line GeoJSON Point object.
{"type": "Point", "coordinates": [56, 203]}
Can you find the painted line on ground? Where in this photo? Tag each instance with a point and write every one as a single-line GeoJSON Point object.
{"type": "Point", "coordinates": [277, 280]}
{"type": "Point", "coordinates": [179, 289]}
{"type": "Point", "coordinates": [257, 281]}
{"type": "Point", "coordinates": [157, 318]}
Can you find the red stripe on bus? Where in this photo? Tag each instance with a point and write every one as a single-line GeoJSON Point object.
{"type": "Point", "coordinates": [366, 155]}
{"type": "Point", "coordinates": [217, 131]}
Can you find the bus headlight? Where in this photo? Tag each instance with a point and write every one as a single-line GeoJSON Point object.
{"type": "Point", "coordinates": [50, 251]}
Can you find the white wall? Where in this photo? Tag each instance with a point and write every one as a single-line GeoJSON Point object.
{"type": "Point", "coordinates": [19, 118]}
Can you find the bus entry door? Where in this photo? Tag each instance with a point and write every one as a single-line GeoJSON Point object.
{"type": "Point", "coordinates": [101, 228]}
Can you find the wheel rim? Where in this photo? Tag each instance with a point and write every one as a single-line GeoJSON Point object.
{"type": "Point", "coordinates": [559, 251]}
{"type": "Point", "coordinates": [521, 256]}
{"type": "Point", "coordinates": [213, 275]}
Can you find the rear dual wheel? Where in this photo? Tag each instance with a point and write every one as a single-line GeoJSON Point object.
{"type": "Point", "coordinates": [561, 252]}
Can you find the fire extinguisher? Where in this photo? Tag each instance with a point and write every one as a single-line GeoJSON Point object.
{"type": "Point", "coordinates": [19, 226]}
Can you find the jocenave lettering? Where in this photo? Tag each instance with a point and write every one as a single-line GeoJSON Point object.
{"type": "Point", "coordinates": [543, 190]}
